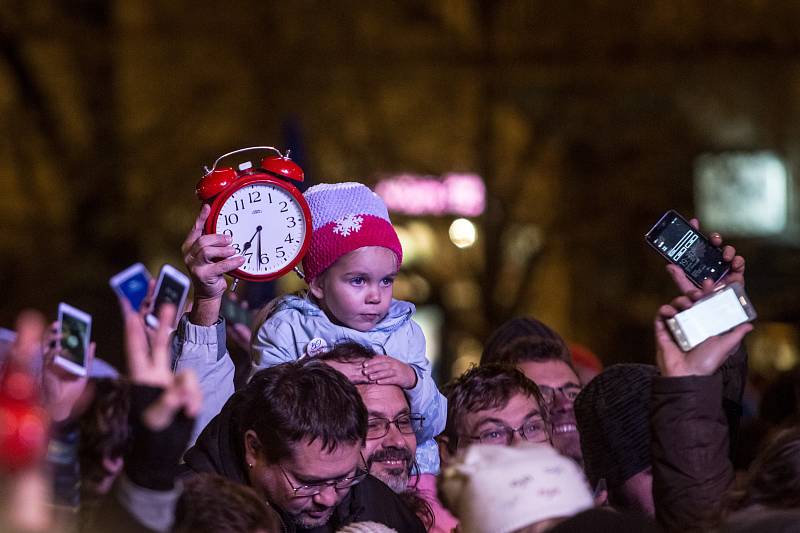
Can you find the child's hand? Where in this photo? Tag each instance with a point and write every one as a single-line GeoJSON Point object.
{"type": "Point", "coordinates": [385, 370]}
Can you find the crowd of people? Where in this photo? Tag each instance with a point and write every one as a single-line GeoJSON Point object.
{"type": "Point", "coordinates": [335, 424]}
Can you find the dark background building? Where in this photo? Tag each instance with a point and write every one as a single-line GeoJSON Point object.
{"type": "Point", "coordinates": [586, 121]}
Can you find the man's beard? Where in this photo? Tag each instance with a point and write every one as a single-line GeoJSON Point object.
{"type": "Point", "coordinates": [308, 522]}
{"type": "Point", "coordinates": [395, 478]}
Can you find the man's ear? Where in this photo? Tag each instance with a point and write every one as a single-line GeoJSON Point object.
{"type": "Point", "coordinates": [317, 287]}
{"type": "Point", "coordinates": [445, 457]}
{"type": "Point", "coordinates": [252, 447]}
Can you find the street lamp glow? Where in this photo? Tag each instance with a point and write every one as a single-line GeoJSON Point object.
{"type": "Point", "coordinates": [462, 233]}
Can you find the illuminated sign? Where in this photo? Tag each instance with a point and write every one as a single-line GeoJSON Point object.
{"type": "Point", "coordinates": [742, 193]}
{"type": "Point", "coordinates": [454, 194]}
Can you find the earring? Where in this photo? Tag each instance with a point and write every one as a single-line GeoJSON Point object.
{"type": "Point", "coordinates": [250, 466]}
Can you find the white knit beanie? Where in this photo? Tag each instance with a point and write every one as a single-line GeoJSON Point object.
{"type": "Point", "coordinates": [366, 527]}
{"type": "Point", "coordinates": [499, 489]}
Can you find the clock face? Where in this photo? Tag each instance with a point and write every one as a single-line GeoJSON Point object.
{"type": "Point", "coordinates": [268, 226]}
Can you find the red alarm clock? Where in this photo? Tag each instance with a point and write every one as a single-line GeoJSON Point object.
{"type": "Point", "coordinates": [263, 212]}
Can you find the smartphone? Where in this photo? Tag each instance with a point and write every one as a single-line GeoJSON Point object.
{"type": "Point", "coordinates": [675, 239]}
{"type": "Point", "coordinates": [716, 313]}
{"type": "Point", "coordinates": [172, 287]}
{"type": "Point", "coordinates": [132, 284]}
{"type": "Point", "coordinates": [76, 328]}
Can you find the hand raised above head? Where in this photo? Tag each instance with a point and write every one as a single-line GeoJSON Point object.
{"type": "Point", "coordinates": [208, 258]}
{"type": "Point", "coordinates": [705, 358]}
{"type": "Point", "coordinates": [149, 365]}
{"type": "Point", "coordinates": [737, 264]}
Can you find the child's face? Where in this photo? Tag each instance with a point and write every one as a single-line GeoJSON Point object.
{"type": "Point", "coordinates": [356, 290]}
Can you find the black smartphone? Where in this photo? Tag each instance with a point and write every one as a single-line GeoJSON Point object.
{"type": "Point", "coordinates": [675, 239]}
{"type": "Point", "coordinates": [172, 287]}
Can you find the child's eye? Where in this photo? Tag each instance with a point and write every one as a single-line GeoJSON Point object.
{"type": "Point", "coordinates": [358, 280]}
{"type": "Point", "coordinates": [386, 282]}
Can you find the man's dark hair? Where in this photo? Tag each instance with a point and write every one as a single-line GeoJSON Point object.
{"type": "Point", "coordinates": [211, 503]}
{"type": "Point", "coordinates": [489, 386]}
{"type": "Point", "coordinates": [524, 339]}
{"type": "Point", "coordinates": [345, 352]}
{"type": "Point", "coordinates": [105, 432]}
{"type": "Point", "coordinates": [300, 400]}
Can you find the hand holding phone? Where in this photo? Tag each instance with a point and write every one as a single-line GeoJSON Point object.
{"type": "Point", "coordinates": [74, 329]}
{"type": "Point", "coordinates": [683, 245]}
{"type": "Point", "coordinates": [709, 335]}
{"type": "Point", "coordinates": [172, 287]}
{"type": "Point", "coordinates": [132, 284]}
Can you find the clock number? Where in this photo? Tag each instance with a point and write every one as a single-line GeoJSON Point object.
{"type": "Point", "coordinates": [236, 248]}
{"type": "Point", "coordinates": [284, 207]}
{"type": "Point", "coordinates": [254, 196]}
{"type": "Point", "coordinates": [249, 256]}
{"type": "Point", "coordinates": [279, 252]}
{"type": "Point", "coordinates": [292, 221]}
{"type": "Point", "coordinates": [228, 232]}
{"type": "Point", "coordinates": [231, 219]}
{"type": "Point", "coordinates": [264, 259]}
{"type": "Point", "coordinates": [269, 197]}
{"type": "Point", "coordinates": [288, 238]}
{"type": "Point", "coordinates": [238, 204]}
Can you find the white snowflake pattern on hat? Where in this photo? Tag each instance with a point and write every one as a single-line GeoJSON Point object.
{"type": "Point", "coordinates": [348, 224]}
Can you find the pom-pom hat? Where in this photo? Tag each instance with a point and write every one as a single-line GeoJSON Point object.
{"type": "Point", "coordinates": [345, 217]}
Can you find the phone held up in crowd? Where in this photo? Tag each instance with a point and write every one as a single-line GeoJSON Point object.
{"type": "Point", "coordinates": [678, 242]}
{"type": "Point", "coordinates": [172, 287]}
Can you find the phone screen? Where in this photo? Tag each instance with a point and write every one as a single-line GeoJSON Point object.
{"type": "Point", "coordinates": [711, 317]}
{"type": "Point", "coordinates": [74, 335]}
{"type": "Point", "coordinates": [135, 289]}
{"type": "Point", "coordinates": [681, 244]}
{"type": "Point", "coordinates": [171, 291]}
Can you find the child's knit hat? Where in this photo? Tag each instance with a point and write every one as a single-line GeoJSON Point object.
{"type": "Point", "coordinates": [345, 217]}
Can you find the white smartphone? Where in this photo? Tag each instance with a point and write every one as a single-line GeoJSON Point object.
{"type": "Point", "coordinates": [716, 313]}
{"type": "Point", "coordinates": [132, 284]}
{"type": "Point", "coordinates": [76, 330]}
{"type": "Point", "coordinates": [172, 287]}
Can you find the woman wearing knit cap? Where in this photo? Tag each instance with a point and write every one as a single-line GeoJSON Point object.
{"type": "Point", "coordinates": [350, 267]}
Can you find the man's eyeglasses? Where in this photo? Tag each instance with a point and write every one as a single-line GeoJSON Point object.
{"type": "Point", "coordinates": [312, 489]}
{"type": "Point", "coordinates": [533, 431]}
{"type": "Point", "coordinates": [407, 424]}
{"type": "Point", "coordinates": [569, 392]}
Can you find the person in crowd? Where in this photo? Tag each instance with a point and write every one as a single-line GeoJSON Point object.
{"type": "Point", "coordinates": [499, 489]}
{"type": "Point", "coordinates": [214, 504]}
{"type": "Point", "coordinates": [295, 434]}
{"type": "Point", "coordinates": [769, 496]}
{"type": "Point", "coordinates": [542, 355]}
{"type": "Point", "coordinates": [695, 409]}
{"type": "Point", "coordinates": [163, 406]}
{"type": "Point", "coordinates": [613, 414]}
{"type": "Point", "coordinates": [492, 404]}
{"type": "Point", "coordinates": [104, 437]}
{"type": "Point", "coordinates": [350, 266]}
{"type": "Point", "coordinates": [391, 440]}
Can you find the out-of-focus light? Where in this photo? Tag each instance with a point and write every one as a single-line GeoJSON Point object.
{"type": "Point", "coordinates": [468, 353]}
{"type": "Point", "coordinates": [456, 194]}
{"type": "Point", "coordinates": [462, 233]}
{"type": "Point", "coordinates": [741, 193]}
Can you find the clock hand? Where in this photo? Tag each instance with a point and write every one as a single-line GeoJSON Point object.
{"type": "Point", "coordinates": [248, 244]}
{"type": "Point", "coordinates": [258, 249]}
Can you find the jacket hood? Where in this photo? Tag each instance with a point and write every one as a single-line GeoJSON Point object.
{"type": "Point", "coordinates": [399, 311]}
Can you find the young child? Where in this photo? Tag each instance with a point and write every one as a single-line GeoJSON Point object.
{"type": "Point", "coordinates": [350, 266]}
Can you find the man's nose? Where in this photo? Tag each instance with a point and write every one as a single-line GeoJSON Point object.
{"type": "Point", "coordinates": [327, 496]}
{"type": "Point", "coordinates": [394, 438]}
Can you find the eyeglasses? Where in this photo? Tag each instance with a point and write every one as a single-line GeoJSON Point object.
{"type": "Point", "coordinates": [406, 424]}
{"type": "Point", "coordinates": [312, 489]}
{"type": "Point", "coordinates": [532, 431]}
{"type": "Point", "coordinates": [569, 392]}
